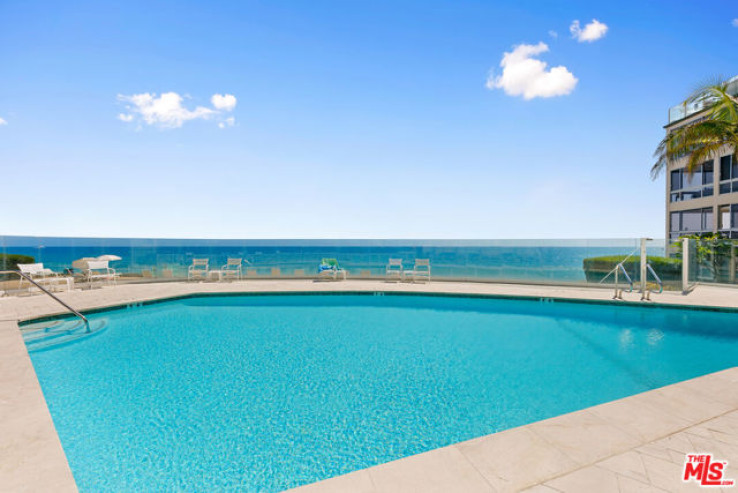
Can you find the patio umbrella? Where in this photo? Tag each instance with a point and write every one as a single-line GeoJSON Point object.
{"type": "Point", "coordinates": [109, 258]}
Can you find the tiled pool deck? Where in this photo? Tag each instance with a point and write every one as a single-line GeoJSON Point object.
{"type": "Point", "coordinates": [633, 444]}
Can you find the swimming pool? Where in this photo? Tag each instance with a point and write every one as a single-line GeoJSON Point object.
{"type": "Point", "coordinates": [263, 393]}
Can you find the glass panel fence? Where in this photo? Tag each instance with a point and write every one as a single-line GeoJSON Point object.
{"type": "Point", "coordinates": [534, 261]}
{"type": "Point", "coordinates": [715, 260]}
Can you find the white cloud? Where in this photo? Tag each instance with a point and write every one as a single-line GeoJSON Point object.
{"type": "Point", "coordinates": [553, 34]}
{"type": "Point", "coordinates": [735, 22]}
{"type": "Point", "coordinates": [167, 110]}
{"type": "Point", "coordinates": [224, 102]}
{"type": "Point", "coordinates": [523, 75]}
{"type": "Point", "coordinates": [591, 32]}
{"type": "Point", "coordinates": [228, 122]}
{"type": "Point", "coordinates": [3, 122]}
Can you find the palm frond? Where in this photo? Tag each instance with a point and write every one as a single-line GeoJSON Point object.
{"type": "Point", "coordinates": [703, 139]}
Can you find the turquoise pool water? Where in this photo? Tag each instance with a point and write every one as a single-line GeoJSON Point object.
{"type": "Point", "coordinates": [263, 393]}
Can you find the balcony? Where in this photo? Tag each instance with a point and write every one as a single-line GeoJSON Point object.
{"type": "Point", "coordinates": [682, 111]}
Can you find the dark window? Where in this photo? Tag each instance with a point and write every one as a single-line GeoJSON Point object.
{"type": "Point", "coordinates": [692, 194]}
{"type": "Point", "coordinates": [693, 180]}
{"type": "Point", "coordinates": [734, 217]}
{"type": "Point", "coordinates": [707, 220]}
{"type": "Point", "coordinates": [674, 222]}
{"type": "Point", "coordinates": [676, 179]}
{"type": "Point", "coordinates": [707, 173]}
{"type": "Point", "coordinates": [698, 184]}
{"type": "Point", "coordinates": [728, 174]}
{"type": "Point", "coordinates": [692, 220]}
{"type": "Point", "coordinates": [725, 168]}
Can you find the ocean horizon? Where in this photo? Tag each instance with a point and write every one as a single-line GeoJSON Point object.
{"type": "Point", "coordinates": [531, 260]}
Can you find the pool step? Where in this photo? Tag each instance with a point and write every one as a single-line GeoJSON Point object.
{"type": "Point", "coordinates": [44, 335]}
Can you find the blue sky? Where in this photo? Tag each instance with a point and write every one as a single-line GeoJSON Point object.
{"type": "Point", "coordinates": [348, 119]}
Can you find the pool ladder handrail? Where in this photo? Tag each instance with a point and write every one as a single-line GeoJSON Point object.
{"type": "Point", "coordinates": [620, 267]}
{"type": "Point", "coordinates": [646, 295]}
{"type": "Point", "coordinates": [44, 290]}
{"type": "Point", "coordinates": [619, 292]}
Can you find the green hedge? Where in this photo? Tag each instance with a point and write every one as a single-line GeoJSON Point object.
{"type": "Point", "coordinates": [10, 261]}
{"type": "Point", "coordinates": [668, 269]}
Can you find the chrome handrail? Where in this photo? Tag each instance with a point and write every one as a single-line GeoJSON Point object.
{"type": "Point", "coordinates": [655, 276]}
{"type": "Point", "coordinates": [625, 273]}
{"type": "Point", "coordinates": [29, 279]}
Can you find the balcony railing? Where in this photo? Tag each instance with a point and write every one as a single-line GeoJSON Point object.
{"type": "Point", "coordinates": [682, 111]}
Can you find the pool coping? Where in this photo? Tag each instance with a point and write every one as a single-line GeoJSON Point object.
{"type": "Point", "coordinates": [553, 451]}
{"type": "Point", "coordinates": [62, 314]}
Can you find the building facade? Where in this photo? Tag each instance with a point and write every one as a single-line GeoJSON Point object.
{"type": "Point", "coordinates": [707, 200]}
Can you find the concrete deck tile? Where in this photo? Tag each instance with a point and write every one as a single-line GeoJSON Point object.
{"type": "Point", "coordinates": [515, 459]}
{"type": "Point", "coordinates": [673, 448]}
{"type": "Point", "coordinates": [667, 475]}
{"type": "Point", "coordinates": [540, 488]}
{"type": "Point", "coordinates": [628, 485]}
{"type": "Point", "coordinates": [31, 455]}
{"type": "Point", "coordinates": [584, 437]}
{"type": "Point", "coordinates": [443, 470]}
{"type": "Point", "coordinates": [628, 464]}
{"type": "Point", "coordinates": [636, 416]}
{"type": "Point", "coordinates": [685, 403]}
{"type": "Point", "coordinates": [713, 386]}
{"type": "Point", "coordinates": [587, 480]}
{"type": "Point", "coordinates": [723, 429]}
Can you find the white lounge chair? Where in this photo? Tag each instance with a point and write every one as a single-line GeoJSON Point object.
{"type": "Point", "coordinates": [99, 270]}
{"type": "Point", "coordinates": [198, 269]}
{"type": "Point", "coordinates": [81, 264]}
{"type": "Point", "coordinates": [394, 270]}
{"type": "Point", "coordinates": [421, 271]}
{"type": "Point", "coordinates": [43, 276]}
{"type": "Point", "coordinates": [232, 269]}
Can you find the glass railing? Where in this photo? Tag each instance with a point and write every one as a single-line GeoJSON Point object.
{"type": "Point", "coordinates": [714, 261]}
{"type": "Point", "coordinates": [683, 110]}
{"type": "Point", "coordinates": [521, 261]}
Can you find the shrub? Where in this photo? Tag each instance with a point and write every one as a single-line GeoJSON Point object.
{"type": "Point", "coordinates": [668, 269]}
{"type": "Point", "coordinates": [711, 254]}
{"type": "Point", "coordinates": [10, 261]}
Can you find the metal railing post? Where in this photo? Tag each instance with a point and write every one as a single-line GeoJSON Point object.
{"type": "Point", "coordinates": [644, 263]}
{"type": "Point", "coordinates": [685, 265]}
{"type": "Point", "coordinates": [616, 282]}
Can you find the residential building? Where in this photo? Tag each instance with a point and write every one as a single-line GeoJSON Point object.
{"type": "Point", "coordinates": [705, 201]}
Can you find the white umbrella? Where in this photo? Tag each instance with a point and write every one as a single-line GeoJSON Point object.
{"type": "Point", "coordinates": [109, 258]}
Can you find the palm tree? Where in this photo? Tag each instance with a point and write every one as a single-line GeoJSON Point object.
{"type": "Point", "coordinates": [703, 139]}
